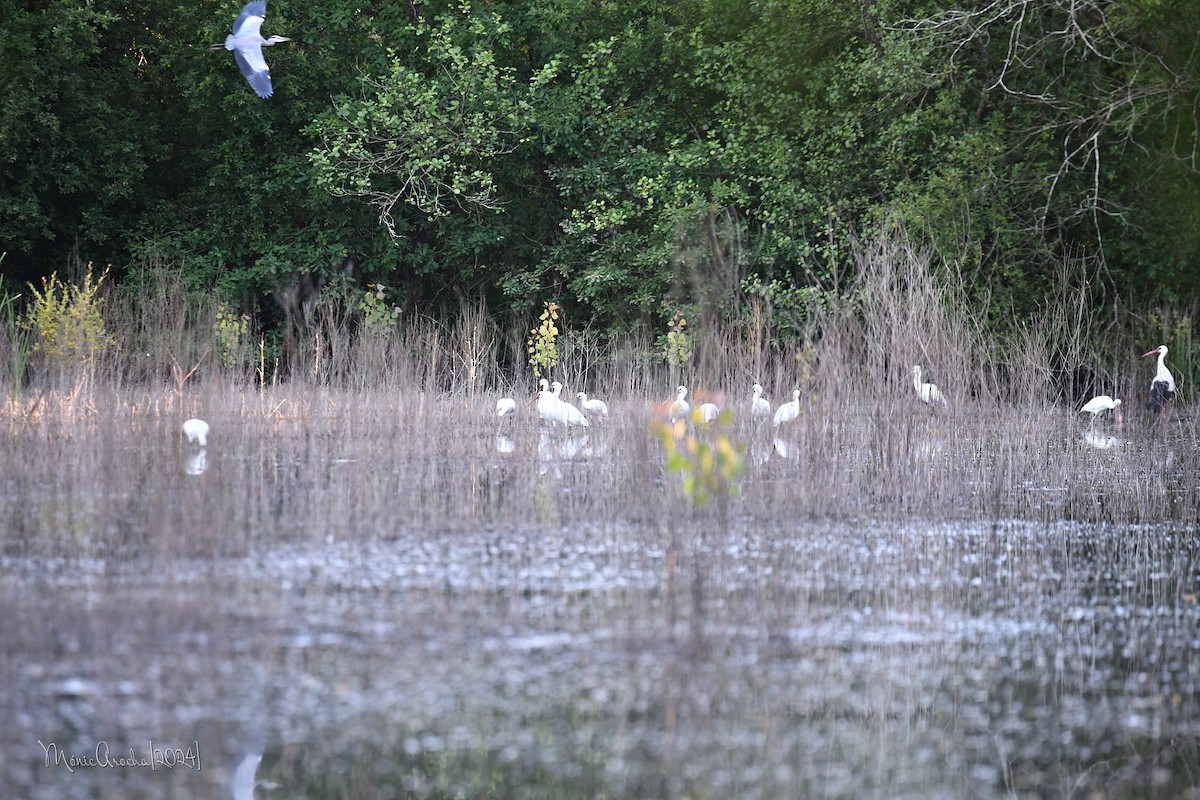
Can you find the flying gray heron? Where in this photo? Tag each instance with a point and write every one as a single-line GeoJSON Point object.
{"type": "Point", "coordinates": [247, 43]}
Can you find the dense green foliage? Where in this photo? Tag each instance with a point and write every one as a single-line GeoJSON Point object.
{"type": "Point", "coordinates": [625, 159]}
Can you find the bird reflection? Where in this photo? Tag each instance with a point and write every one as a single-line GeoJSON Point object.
{"type": "Point", "coordinates": [784, 449]}
{"type": "Point", "coordinates": [504, 444]}
{"type": "Point", "coordinates": [558, 448]}
{"type": "Point", "coordinates": [1100, 441]}
{"type": "Point", "coordinates": [243, 781]}
{"type": "Point", "coordinates": [197, 463]}
{"type": "Point", "coordinates": [760, 451]}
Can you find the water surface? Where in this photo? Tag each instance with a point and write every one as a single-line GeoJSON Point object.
{"type": "Point", "coordinates": [395, 606]}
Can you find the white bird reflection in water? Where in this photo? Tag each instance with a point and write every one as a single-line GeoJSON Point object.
{"type": "Point", "coordinates": [760, 451]}
{"type": "Point", "coordinates": [197, 463]}
{"type": "Point", "coordinates": [244, 778]}
{"type": "Point", "coordinates": [784, 448]}
{"type": "Point", "coordinates": [504, 444]}
{"type": "Point", "coordinates": [559, 448]}
{"type": "Point", "coordinates": [1100, 440]}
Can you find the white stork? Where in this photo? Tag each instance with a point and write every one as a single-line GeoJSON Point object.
{"type": "Point", "coordinates": [1162, 388]}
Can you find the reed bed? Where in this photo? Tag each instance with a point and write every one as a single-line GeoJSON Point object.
{"type": "Point", "coordinates": [409, 405]}
{"type": "Point", "coordinates": [413, 597]}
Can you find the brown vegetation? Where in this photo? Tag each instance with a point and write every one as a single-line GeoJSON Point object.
{"type": "Point", "coordinates": [399, 425]}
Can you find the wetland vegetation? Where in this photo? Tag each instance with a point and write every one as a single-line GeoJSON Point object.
{"type": "Point", "coordinates": [387, 591]}
{"type": "Point", "coordinates": [366, 584]}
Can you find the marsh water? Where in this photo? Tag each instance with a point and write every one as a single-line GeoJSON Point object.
{"type": "Point", "coordinates": [412, 601]}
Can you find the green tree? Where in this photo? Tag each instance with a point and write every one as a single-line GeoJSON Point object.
{"type": "Point", "coordinates": [76, 142]}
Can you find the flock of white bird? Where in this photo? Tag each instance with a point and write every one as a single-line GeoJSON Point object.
{"type": "Point", "coordinates": [553, 409]}
{"type": "Point", "coordinates": [1162, 390]}
{"type": "Point", "coordinates": [556, 411]}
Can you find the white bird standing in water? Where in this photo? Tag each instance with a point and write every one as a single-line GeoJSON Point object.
{"type": "Point", "coordinates": [1098, 405]}
{"type": "Point", "coordinates": [247, 43]}
{"type": "Point", "coordinates": [788, 411]}
{"type": "Point", "coordinates": [1162, 388]}
{"type": "Point", "coordinates": [928, 392]}
{"type": "Point", "coordinates": [593, 405]}
{"type": "Point", "coordinates": [196, 431]}
{"type": "Point", "coordinates": [709, 412]}
{"type": "Point", "coordinates": [556, 411]}
{"type": "Point", "coordinates": [679, 407]}
{"type": "Point", "coordinates": [505, 405]}
{"type": "Point", "coordinates": [760, 407]}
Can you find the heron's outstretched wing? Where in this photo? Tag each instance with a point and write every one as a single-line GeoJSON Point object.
{"type": "Point", "coordinates": [250, 21]}
{"type": "Point", "coordinates": [254, 67]}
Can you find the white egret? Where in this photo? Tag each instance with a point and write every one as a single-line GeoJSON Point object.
{"type": "Point", "coordinates": [679, 407]}
{"type": "Point", "coordinates": [1098, 405]}
{"type": "Point", "coordinates": [928, 392]}
{"type": "Point", "coordinates": [788, 411]}
{"type": "Point", "coordinates": [709, 412]}
{"type": "Point", "coordinates": [556, 411]}
{"type": "Point", "coordinates": [760, 407]}
{"type": "Point", "coordinates": [1162, 388]}
{"type": "Point", "coordinates": [247, 43]}
{"type": "Point", "coordinates": [196, 431]}
{"type": "Point", "coordinates": [592, 405]}
{"type": "Point", "coordinates": [505, 405]}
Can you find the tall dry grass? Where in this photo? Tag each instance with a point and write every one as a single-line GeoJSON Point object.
{"type": "Point", "coordinates": [1010, 442]}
